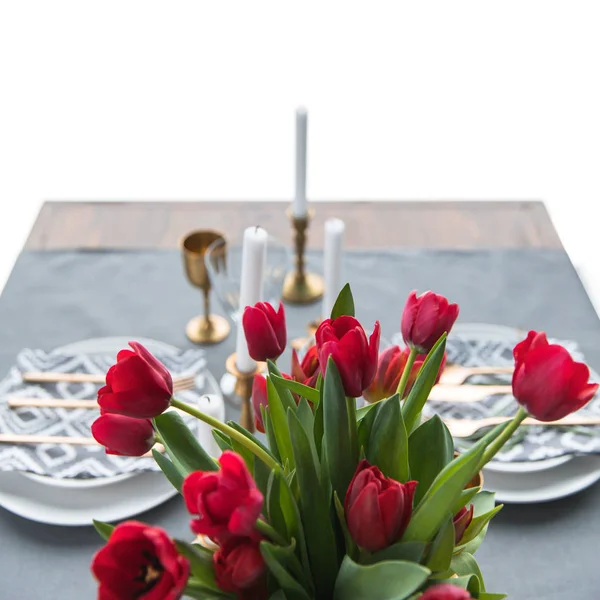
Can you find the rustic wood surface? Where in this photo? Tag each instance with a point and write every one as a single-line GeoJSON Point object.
{"type": "Point", "coordinates": [369, 224]}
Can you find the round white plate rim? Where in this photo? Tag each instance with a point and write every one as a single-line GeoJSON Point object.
{"type": "Point", "coordinates": [532, 490]}
{"type": "Point", "coordinates": [484, 330]}
{"type": "Point", "coordinates": [90, 346]}
{"type": "Point", "coordinates": [146, 491]}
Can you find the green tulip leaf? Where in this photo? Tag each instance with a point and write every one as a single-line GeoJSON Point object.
{"type": "Point", "coordinates": [388, 442]}
{"type": "Point", "coordinates": [276, 378]}
{"type": "Point", "coordinates": [342, 457]}
{"type": "Point", "coordinates": [365, 426]}
{"type": "Point", "coordinates": [344, 304]}
{"type": "Point", "coordinates": [465, 564]}
{"type": "Point", "coordinates": [430, 449]}
{"type": "Point", "coordinates": [285, 568]}
{"type": "Point", "coordinates": [363, 411]}
{"type": "Point", "coordinates": [488, 596]}
{"type": "Point", "coordinates": [169, 470]}
{"type": "Point", "coordinates": [235, 425]}
{"type": "Point", "coordinates": [351, 547]}
{"type": "Point", "coordinates": [104, 529]}
{"type": "Point", "coordinates": [414, 403]}
{"type": "Point", "coordinates": [478, 523]}
{"type": "Point", "coordinates": [181, 444]}
{"type": "Point", "coordinates": [444, 492]}
{"type": "Point", "coordinates": [269, 432]}
{"type": "Point", "coordinates": [314, 512]}
{"type": "Point", "coordinates": [387, 580]}
{"type": "Point", "coordinates": [280, 428]}
{"type": "Point", "coordinates": [223, 440]}
{"type": "Point", "coordinates": [274, 508]}
{"type": "Point", "coordinates": [261, 475]}
{"type": "Point", "coordinates": [319, 426]}
{"type": "Point", "coordinates": [293, 522]}
{"type": "Point", "coordinates": [408, 551]}
{"type": "Point", "coordinates": [304, 391]}
{"type": "Point", "coordinates": [201, 565]}
{"type": "Point", "coordinates": [307, 418]}
{"type": "Point", "coordinates": [465, 498]}
{"type": "Point", "coordinates": [442, 547]}
{"type": "Point", "coordinates": [278, 595]}
{"type": "Point", "coordinates": [483, 502]}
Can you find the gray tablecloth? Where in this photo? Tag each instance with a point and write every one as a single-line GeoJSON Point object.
{"type": "Point", "coordinates": [544, 551]}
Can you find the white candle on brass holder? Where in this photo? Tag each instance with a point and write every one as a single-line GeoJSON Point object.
{"type": "Point", "coordinates": [299, 208]}
{"type": "Point", "coordinates": [254, 255]}
{"type": "Point", "coordinates": [332, 263]}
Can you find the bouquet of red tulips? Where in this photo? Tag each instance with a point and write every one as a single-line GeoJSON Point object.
{"type": "Point", "coordinates": [341, 503]}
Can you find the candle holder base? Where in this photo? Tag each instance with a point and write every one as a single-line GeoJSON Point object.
{"type": "Point", "coordinates": [243, 389]}
{"type": "Point", "coordinates": [302, 289]}
{"type": "Point", "coordinates": [212, 331]}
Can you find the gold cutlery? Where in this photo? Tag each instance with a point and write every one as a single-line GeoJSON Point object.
{"type": "Point", "coordinates": [18, 402]}
{"type": "Point", "coordinates": [182, 382]}
{"type": "Point", "coordinates": [466, 393]}
{"type": "Point", "coordinates": [457, 374]}
{"type": "Point", "coordinates": [16, 438]}
{"type": "Point", "coordinates": [462, 428]}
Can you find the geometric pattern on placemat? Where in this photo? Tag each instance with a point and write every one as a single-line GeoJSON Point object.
{"type": "Point", "coordinates": [470, 349]}
{"type": "Point", "coordinates": [64, 460]}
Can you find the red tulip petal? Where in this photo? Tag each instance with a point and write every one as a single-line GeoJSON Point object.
{"type": "Point", "coordinates": [372, 356]}
{"type": "Point", "coordinates": [345, 363]}
{"type": "Point", "coordinates": [365, 521]}
{"type": "Point", "coordinates": [243, 518]}
{"type": "Point", "coordinates": [408, 316]}
{"type": "Point", "coordinates": [154, 363]}
{"type": "Point", "coordinates": [280, 328]}
{"type": "Point", "coordinates": [260, 336]}
{"type": "Point", "coordinates": [131, 404]}
{"type": "Point", "coordinates": [427, 318]}
{"type": "Point", "coordinates": [391, 504]}
{"type": "Point", "coordinates": [135, 373]}
{"type": "Point", "coordinates": [532, 341]}
{"type": "Point", "coordinates": [234, 467]}
{"type": "Point", "coordinates": [123, 435]}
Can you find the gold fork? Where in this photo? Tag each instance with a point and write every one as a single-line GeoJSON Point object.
{"type": "Point", "coordinates": [457, 374]}
{"type": "Point", "coordinates": [183, 382]}
{"type": "Point", "coordinates": [462, 428]}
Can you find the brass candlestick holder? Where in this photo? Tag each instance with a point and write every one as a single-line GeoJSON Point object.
{"type": "Point", "coordinates": [207, 328]}
{"type": "Point", "coordinates": [243, 389]}
{"type": "Point", "coordinates": [300, 286]}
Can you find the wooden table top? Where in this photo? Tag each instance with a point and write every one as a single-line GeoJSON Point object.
{"type": "Point", "coordinates": [369, 224]}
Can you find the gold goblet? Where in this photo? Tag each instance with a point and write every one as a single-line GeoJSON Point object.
{"type": "Point", "coordinates": [207, 328]}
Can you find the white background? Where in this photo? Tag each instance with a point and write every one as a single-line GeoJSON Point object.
{"type": "Point", "coordinates": [123, 100]}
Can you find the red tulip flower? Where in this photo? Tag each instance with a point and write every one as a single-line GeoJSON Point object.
{"type": "Point", "coordinates": [307, 371]}
{"type": "Point", "coordinates": [462, 519]}
{"type": "Point", "coordinates": [123, 435]}
{"type": "Point", "coordinates": [445, 591]}
{"type": "Point", "coordinates": [138, 385]}
{"type": "Point", "coordinates": [259, 398]}
{"type": "Point", "coordinates": [141, 562]}
{"type": "Point", "coordinates": [391, 365]}
{"type": "Point", "coordinates": [265, 331]}
{"type": "Point", "coordinates": [240, 568]}
{"type": "Point", "coordinates": [377, 508]}
{"type": "Point", "coordinates": [547, 382]}
{"type": "Point", "coordinates": [227, 501]}
{"type": "Point", "coordinates": [345, 341]}
{"type": "Point", "coordinates": [425, 319]}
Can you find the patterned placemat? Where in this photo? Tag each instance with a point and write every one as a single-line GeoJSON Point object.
{"type": "Point", "coordinates": [473, 345]}
{"type": "Point", "coordinates": [64, 460]}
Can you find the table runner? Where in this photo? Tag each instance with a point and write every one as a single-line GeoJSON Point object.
{"type": "Point", "coordinates": [53, 298]}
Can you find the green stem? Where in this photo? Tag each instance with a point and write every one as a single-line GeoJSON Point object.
{"type": "Point", "coordinates": [267, 530]}
{"type": "Point", "coordinates": [227, 430]}
{"type": "Point", "coordinates": [497, 444]}
{"type": "Point", "coordinates": [406, 373]}
{"type": "Point", "coordinates": [353, 428]}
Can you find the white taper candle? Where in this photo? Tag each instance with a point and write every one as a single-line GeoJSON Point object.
{"type": "Point", "coordinates": [254, 255]}
{"type": "Point", "coordinates": [299, 208]}
{"type": "Point", "coordinates": [332, 263]}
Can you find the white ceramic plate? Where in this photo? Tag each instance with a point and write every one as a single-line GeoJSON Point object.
{"type": "Point", "coordinates": [542, 486]}
{"type": "Point", "coordinates": [485, 332]}
{"type": "Point", "coordinates": [50, 504]}
{"type": "Point", "coordinates": [108, 345]}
